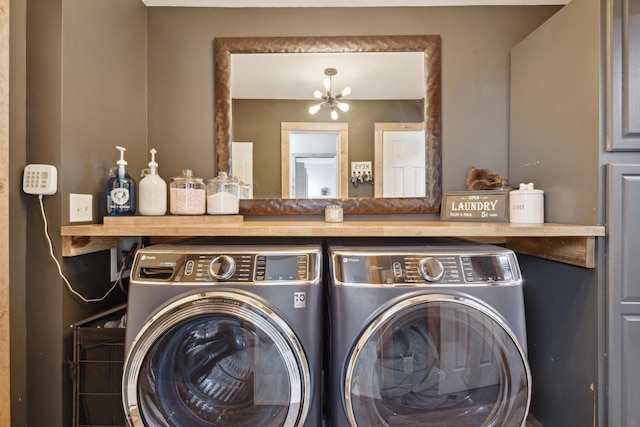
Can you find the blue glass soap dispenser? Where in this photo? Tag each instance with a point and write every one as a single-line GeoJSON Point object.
{"type": "Point", "coordinates": [121, 189]}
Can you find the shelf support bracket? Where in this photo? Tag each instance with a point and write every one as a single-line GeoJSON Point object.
{"type": "Point", "coordinates": [574, 250]}
{"type": "Point", "coordinates": [80, 245]}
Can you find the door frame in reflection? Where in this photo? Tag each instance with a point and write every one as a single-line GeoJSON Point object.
{"type": "Point", "coordinates": [341, 130]}
{"type": "Point", "coordinates": [418, 176]}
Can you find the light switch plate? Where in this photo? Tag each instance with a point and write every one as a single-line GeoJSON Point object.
{"type": "Point", "coordinates": [80, 207]}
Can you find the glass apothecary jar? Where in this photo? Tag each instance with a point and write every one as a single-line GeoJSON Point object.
{"type": "Point", "coordinates": [187, 194]}
{"type": "Point", "coordinates": [244, 189]}
{"type": "Point", "coordinates": [223, 195]}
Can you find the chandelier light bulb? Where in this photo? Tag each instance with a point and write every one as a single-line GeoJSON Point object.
{"type": "Point", "coordinates": [327, 84]}
{"type": "Point", "coordinates": [314, 109]}
{"type": "Point", "coordinates": [317, 94]}
{"type": "Point", "coordinates": [346, 91]}
{"type": "Point", "coordinates": [334, 115]}
{"type": "Point", "coordinates": [342, 106]}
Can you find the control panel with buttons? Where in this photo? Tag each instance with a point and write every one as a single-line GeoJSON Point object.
{"type": "Point", "coordinates": [246, 268]}
{"type": "Point", "coordinates": [40, 179]}
{"type": "Point", "coordinates": [417, 268]}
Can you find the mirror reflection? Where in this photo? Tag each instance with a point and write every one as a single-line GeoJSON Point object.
{"type": "Point", "coordinates": [314, 160]}
{"type": "Point", "coordinates": [358, 90]}
{"type": "Point", "coordinates": [230, 126]}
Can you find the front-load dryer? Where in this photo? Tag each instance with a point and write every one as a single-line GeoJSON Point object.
{"type": "Point", "coordinates": [427, 335]}
{"type": "Point", "coordinates": [224, 336]}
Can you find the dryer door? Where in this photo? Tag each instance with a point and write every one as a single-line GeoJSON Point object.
{"type": "Point", "coordinates": [216, 359]}
{"type": "Point", "coordinates": [437, 360]}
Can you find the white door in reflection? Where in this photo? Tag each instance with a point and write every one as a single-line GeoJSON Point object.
{"type": "Point", "coordinates": [403, 163]}
{"type": "Point", "coordinates": [400, 160]}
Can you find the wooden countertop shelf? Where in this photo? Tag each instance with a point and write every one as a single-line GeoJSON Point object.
{"type": "Point", "coordinates": [568, 243]}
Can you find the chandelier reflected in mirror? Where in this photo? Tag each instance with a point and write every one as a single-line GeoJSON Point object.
{"type": "Point", "coordinates": [328, 99]}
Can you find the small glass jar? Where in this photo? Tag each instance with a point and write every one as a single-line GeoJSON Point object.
{"type": "Point", "coordinates": [187, 194]}
{"type": "Point", "coordinates": [223, 195]}
{"type": "Point", "coordinates": [244, 189]}
{"type": "Point", "coordinates": [333, 213]}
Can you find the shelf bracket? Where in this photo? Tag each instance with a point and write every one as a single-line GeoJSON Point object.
{"type": "Point", "coordinates": [80, 245]}
{"type": "Point", "coordinates": [574, 250]}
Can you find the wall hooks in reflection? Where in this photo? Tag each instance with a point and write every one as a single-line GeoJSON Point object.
{"type": "Point", "coordinates": [361, 178]}
{"type": "Point", "coordinates": [361, 173]}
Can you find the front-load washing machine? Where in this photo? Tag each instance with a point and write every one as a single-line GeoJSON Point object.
{"type": "Point", "coordinates": [224, 336]}
{"type": "Point", "coordinates": [427, 335]}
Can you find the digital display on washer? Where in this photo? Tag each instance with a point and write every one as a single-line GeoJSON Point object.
{"type": "Point", "coordinates": [484, 268]}
{"type": "Point", "coordinates": [281, 267]}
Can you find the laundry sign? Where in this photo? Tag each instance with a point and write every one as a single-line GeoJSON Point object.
{"type": "Point", "coordinates": [483, 205]}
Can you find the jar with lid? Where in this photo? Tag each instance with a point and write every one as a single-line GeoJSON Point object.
{"type": "Point", "coordinates": [526, 205]}
{"type": "Point", "coordinates": [244, 189]}
{"type": "Point", "coordinates": [187, 194]}
{"type": "Point", "coordinates": [223, 195]}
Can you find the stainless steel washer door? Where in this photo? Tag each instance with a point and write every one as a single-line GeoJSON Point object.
{"type": "Point", "coordinates": [216, 359]}
{"type": "Point", "coordinates": [437, 360]}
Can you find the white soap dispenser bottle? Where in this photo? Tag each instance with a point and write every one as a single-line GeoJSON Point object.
{"type": "Point", "coordinates": [153, 190]}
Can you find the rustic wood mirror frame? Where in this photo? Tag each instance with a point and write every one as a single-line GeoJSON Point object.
{"type": "Point", "coordinates": [429, 44]}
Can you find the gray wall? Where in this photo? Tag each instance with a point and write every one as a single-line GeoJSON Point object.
{"type": "Point", "coordinates": [562, 333]}
{"type": "Point", "coordinates": [555, 113]}
{"type": "Point", "coordinates": [475, 67]}
{"type": "Point", "coordinates": [555, 141]}
{"type": "Point", "coordinates": [86, 93]}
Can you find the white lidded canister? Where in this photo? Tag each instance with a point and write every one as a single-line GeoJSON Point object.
{"type": "Point", "coordinates": [526, 205]}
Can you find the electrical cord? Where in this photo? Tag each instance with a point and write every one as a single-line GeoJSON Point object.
{"type": "Point", "coordinates": [66, 281]}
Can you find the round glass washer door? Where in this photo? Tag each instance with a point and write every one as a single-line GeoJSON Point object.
{"type": "Point", "coordinates": [437, 360]}
{"type": "Point", "coordinates": [216, 359]}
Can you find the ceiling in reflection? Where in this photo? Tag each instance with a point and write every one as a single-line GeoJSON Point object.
{"type": "Point", "coordinates": [343, 3]}
{"type": "Point", "coordinates": [370, 75]}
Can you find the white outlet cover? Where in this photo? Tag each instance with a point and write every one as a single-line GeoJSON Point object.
{"type": "Point", "coordinates": [80, 207]}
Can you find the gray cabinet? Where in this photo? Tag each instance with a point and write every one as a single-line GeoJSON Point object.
{"type": "Point", "coordinates": [624, 68]}
{"type": "Point", "coordinates": [623, 291]}
{"type": "Point", "coordinates": [622, 207]}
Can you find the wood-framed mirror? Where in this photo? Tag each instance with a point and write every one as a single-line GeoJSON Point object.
{"type": "Point", "coordinates": [429, 45]}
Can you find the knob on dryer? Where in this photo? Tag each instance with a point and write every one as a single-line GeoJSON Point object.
{"type": "Point", "coordinates": [222, 267]}
{"type": "Point", "coordinates": [430, 269]}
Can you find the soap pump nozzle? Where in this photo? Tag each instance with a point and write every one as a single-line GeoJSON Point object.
{"type": "Point", "coordinates": [120, 169]}
{"type": "Point", "coordinates": [122, 162]}
{"type": "Point", "coordinates": [153, 165]}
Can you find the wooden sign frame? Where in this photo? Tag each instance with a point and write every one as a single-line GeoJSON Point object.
{"type": "Point", "coordinates": [481, 206]}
